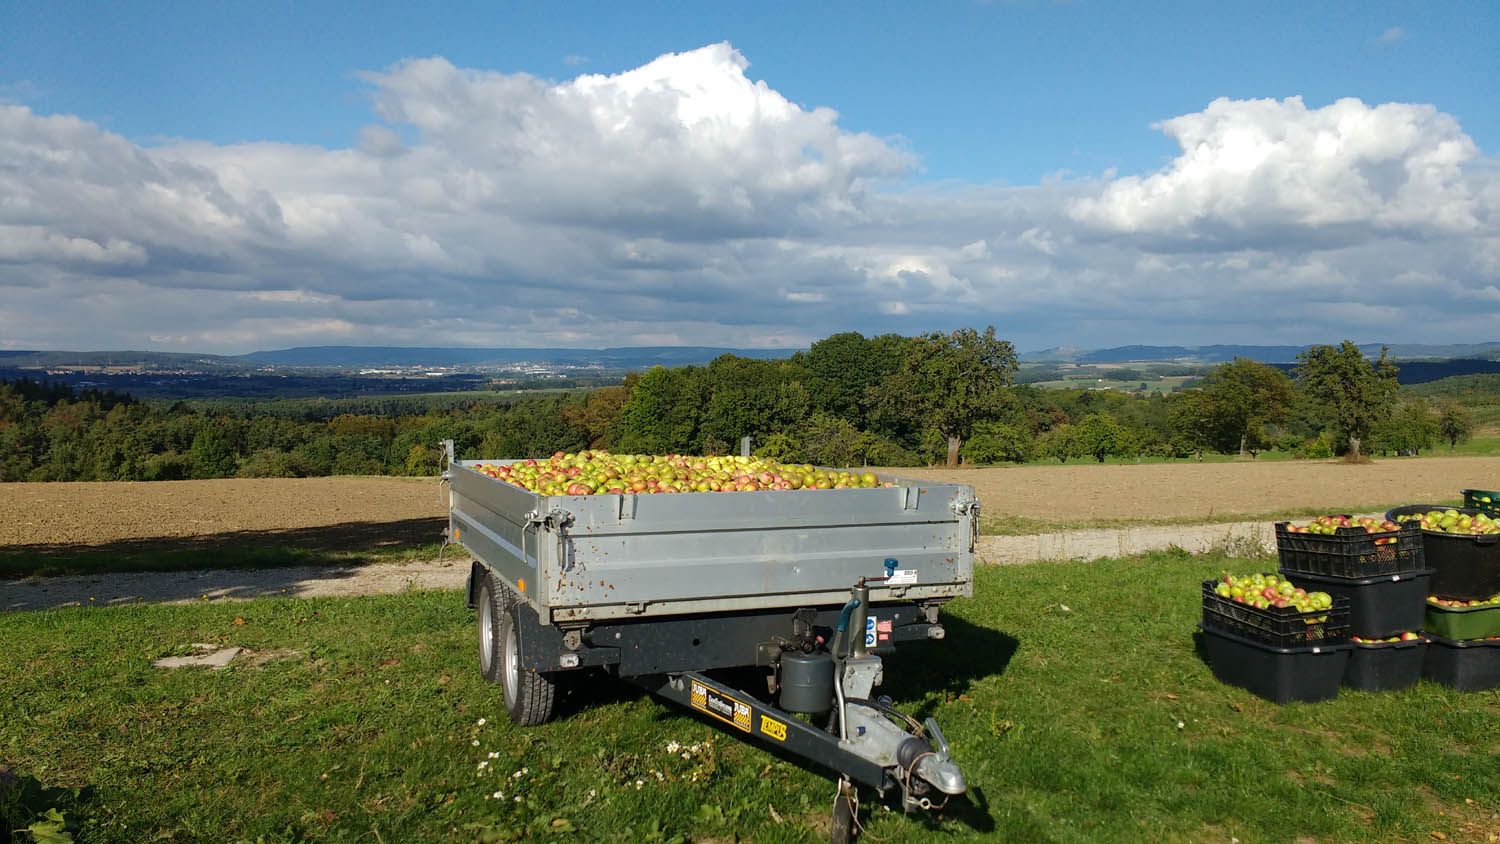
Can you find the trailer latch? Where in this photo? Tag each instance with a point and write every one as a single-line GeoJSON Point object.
{"type": "Point", "coordinates": [964, 505]}
{"type": "Point", "coordinates": [552, 519]}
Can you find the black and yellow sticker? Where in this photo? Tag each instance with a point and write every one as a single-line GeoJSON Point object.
{"type": "Point", "coordinates": [771, 728]}
{"type": "Point", "coordinates": [723, 707]}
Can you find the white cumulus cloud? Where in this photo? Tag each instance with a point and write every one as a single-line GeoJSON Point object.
{"type": "Point", "coordinates": [1252, 168]}
{"type": "Point", "coordinates": [684, 201]}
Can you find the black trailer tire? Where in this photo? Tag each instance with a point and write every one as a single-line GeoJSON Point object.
{"type": "Point", "coordinates": [492, 598]}
{"type": "Point", "coordinates": [529, 695]}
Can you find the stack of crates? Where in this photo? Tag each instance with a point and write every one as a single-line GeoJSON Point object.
{"type": "Point", "coordinates": [1278, 653]}
{"type": "Point", "coordinates": [1383, 576]}
{"type": "Point", "coordinates": [1465, 651]}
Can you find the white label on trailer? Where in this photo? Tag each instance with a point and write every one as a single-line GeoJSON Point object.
{"type": "Point", "coordinates": [870, 626]}
{"type": "Point", "coordinates": [902, 577]}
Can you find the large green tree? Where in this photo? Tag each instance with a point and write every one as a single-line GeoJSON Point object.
{"type": "Point", "coordinates": [842, 368]}
{"type": "Point", "coordinates": [1099, 436]}
{"type": "Point", "coordinates": [662, 414]}
{"type": "Point", "coordinates": [1407, 429]}
{"type": "Point", "coordinates": [950, 382]}
{"type": "Point", "coordinates": [1455, 424]}
{"type": "Point", "coordinates": [1194, 421]}
{"type": "Point", "coordinates": [746, 397]}
{"type": "Point", "coordinates": [1245, 397]}
{"type": "Point", "coordinates": [1351, 392]}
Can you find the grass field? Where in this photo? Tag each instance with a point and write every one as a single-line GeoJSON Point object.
{"type": "Point", "coordinates": [1071, 692]}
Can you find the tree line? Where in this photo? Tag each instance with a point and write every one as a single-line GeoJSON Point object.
{"type": "Point", "coordinates": [848, 400]}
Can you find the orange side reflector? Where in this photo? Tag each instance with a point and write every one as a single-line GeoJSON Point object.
{"type": "Point", "coordinates": [457, 534]}
{"type": "Point", "coordinates": [521, 584]}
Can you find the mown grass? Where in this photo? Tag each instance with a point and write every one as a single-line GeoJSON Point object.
{"type": "Point", "coordinates": [1071, 693]}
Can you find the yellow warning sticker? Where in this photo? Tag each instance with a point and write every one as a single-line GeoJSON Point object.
{"type": "Point", "coordinates": [772, 728]}
{"type": "Point", "coordinates": [723, 707]}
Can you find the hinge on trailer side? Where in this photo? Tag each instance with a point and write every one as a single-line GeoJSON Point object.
{"type": "Point", "coordinates": [635, 607]}
{"type": "Point", "coordinates": [627, 507]}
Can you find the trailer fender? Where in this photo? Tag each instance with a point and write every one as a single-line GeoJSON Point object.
{"type": "Point", "coordinates": [477, 571]}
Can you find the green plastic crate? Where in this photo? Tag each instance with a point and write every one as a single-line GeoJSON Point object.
{"type": "Point", "coordinates": [1463, 622]}
{"type": "Point", "coordinates": [1482, 499]}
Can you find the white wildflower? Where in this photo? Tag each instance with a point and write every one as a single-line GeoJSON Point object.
{"type": "Point", "coordinates": [474, 743]}
{"type": "Point", "coordinates": [481, 722]}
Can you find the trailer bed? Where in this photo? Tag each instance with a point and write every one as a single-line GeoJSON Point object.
{"type": "Point", "coordinates": [595, 557]}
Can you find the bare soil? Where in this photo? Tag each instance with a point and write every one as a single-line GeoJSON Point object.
{"type": "Point", "coordinates": [106, 513]}
{"type": "Point", "coordinates": [87, 514]}
{"type": "Point", "coordinates": [1083, 492]}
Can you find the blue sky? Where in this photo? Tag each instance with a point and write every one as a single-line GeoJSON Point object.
{"type": "Point", "coordinates": [1007, 129]}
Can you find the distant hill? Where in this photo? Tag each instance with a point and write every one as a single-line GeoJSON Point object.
{"type": "Point", "coordinates": [31, 359]}
{"type": "Point", "coordinates": [362, 357]}
{"type": "Point", "coordinates": [618, 358]}
{"type": "Point", "coordinates": [1264, 354]}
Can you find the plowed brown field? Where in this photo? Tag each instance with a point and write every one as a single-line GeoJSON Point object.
{"type": "Point", "coordinates": [101, 513]}
{"type": "Point", "coordinates": [1092, 492]}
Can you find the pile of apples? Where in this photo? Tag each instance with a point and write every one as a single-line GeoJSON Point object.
{"type": "Point", "coordinates": [1452, 521]}
{"type": "Point", "coordinates": [594, 472]}
{"type": "Point", "coordinates": [1454, 603]}
{"type": "Point", "coordinates": [1408, 636]}
{"type": "Point", "coordinates": [1264, 591]}
{"type": "Point", "coordinates": [1329, 525]}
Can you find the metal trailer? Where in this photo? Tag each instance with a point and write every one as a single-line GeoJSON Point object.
{"type": "Point", "coordinates": [812, 586]}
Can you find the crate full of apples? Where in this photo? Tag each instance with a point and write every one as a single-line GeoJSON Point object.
{"type": "Point", "coordinates": [1462, 545]}
{"type": "Point", "coordinates": [1262, 633]}
{"type": "Point", "coordinates": [1345, 546]}
{"type": "Point", "coordinates": [1271, 609]}
{"type": "Point", "coordinates": [1459, 619]}
{"type": "Point", "coordinates": [1386, 663]}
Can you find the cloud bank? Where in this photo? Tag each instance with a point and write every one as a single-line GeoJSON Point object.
{"type": "Point", "coordinates": [685, 202]}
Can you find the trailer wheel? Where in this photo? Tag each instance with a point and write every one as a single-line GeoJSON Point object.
{"type": "Point", "coordinates": [529, 695]}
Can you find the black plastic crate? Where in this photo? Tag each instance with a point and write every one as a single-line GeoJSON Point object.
{"type": "Point", "coordinates": [1282, 675]}
{"type": "Point", "coordinates": [1350, 551]}
{"type": "Point", "coordinates": [1385, 666]}
{"type": "Point", "coordinates": [1487, 500]}
{"type": "Point", "coordinates": [1469, 666]}
{"type": "Point", "coordinates": [1378, 606]}
{"type": "Point", "coordinates": [1464, 566]}
{"type": "Point", "coordinates": [1278, 627]}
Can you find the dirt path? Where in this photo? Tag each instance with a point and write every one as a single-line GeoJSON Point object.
{"type": "Point", "coordinates": [230, 584]}
{"type": "Point", "coordinates": [452, 573]}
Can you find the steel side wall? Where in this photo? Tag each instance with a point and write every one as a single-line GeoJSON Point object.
{"type": "Point", "coordinates": [633, 555]}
